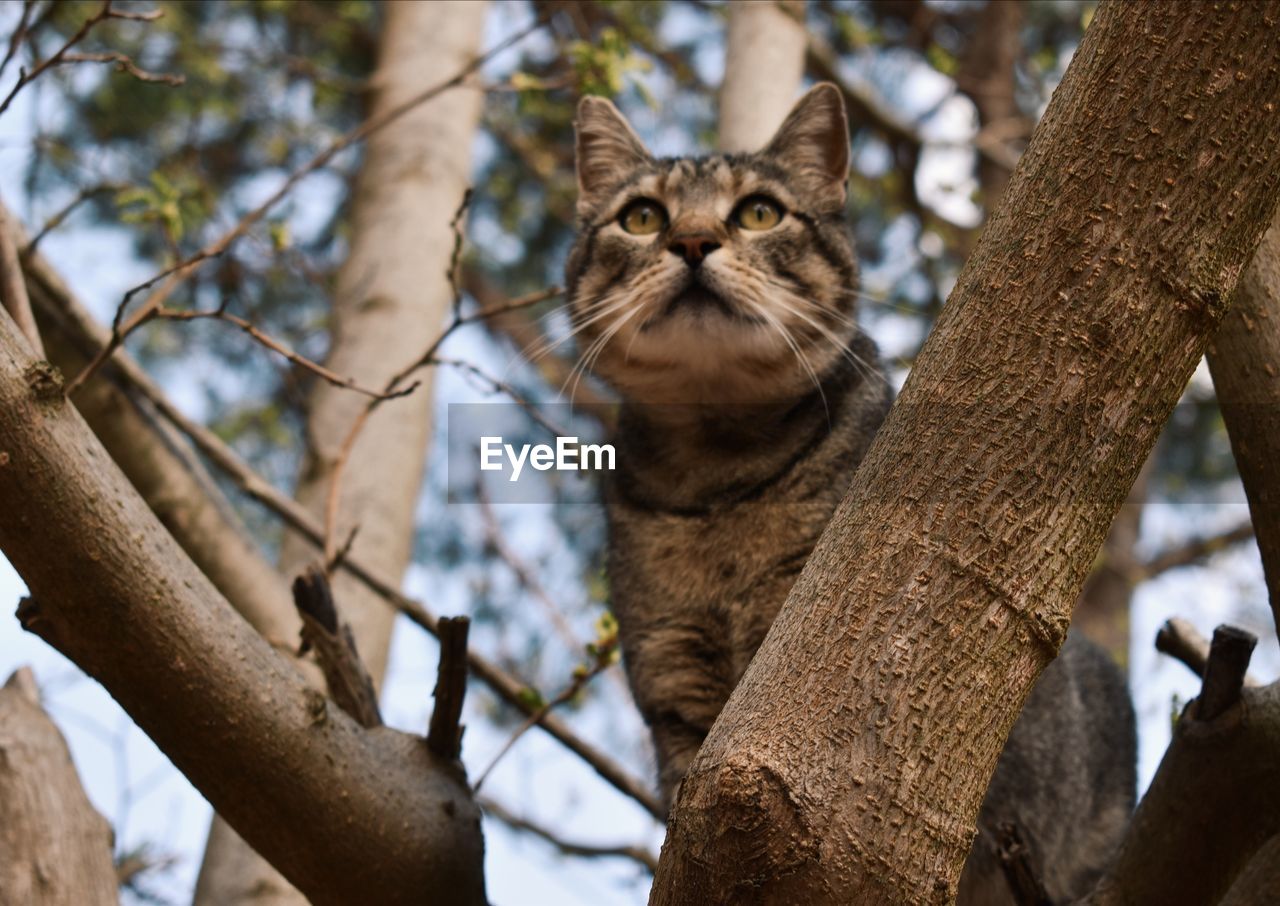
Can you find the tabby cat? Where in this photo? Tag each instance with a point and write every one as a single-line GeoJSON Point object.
{"type": "Point", "coordinates": [717, 296]}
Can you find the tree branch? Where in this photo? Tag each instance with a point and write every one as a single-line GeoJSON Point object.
{"type": "Point", "coordinates": [445, 735]}
{"type": "Point", "coordinates": [13, 288]}
{"type": "Point", "coordinates": [118, 596]}
{"type": "Point", "coordinates": [508, 688]}
{"type": "Point", "coordinates": [350, 685]}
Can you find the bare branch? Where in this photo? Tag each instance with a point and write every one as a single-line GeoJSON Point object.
{"type": "Point", "coordinates": [60, 217]}
{"type": "Point", "coordinates": [1224, 672]}
{"type": "Point", "coordinates": [1194, 551]}
{"type": "Point", "coordinates": [13, 287]}
{"type": "Point", "coordinates": [1179, 639]}
{"type": "Point", "coordinates": [635, 852]}
{"type": "Point", "coordinates": [604, 654]}
{"type": "Point", "coordinates": [124, 63]}
{"type": "Point", "coordinates": [444, 736]}
{"type": "Point", "coordinates": [507, 687]}
{"type": "Point", "coordinates": [350, 685]}
{"type": "Point", "coordinates": [337, 380]}
{"type": "Point", "coordinates": [172, 277]}
{"type": "Point", "coordinates": [62, 55]}
{"type": "Point", "coordinates": [20, 32]}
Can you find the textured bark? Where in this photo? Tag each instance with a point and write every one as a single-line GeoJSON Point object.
{"type": "Point", "coordinates": [114, 593]}
{"type": "Point", "coordinates": [392, 297]}
{"type": "Point", "coordinates": [850, 762]}
{"type": "Point", "coordinates": [1244, 359]}
{"type": "Point", "coordinates": [763, 67]}
{"type": "Point", "coordinates": [159, 462]}
{"type": "Point", "coordinates": [1214, 803]}
{"type": "Point", "coordinates": [56, 848]}
{"type": "Point", "coordinates": [1102, 612]}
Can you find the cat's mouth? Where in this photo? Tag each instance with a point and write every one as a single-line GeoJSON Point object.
{"type": "Point", "coordinates": [699, 300]}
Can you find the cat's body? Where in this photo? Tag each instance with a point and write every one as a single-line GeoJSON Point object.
{"type": "Point", "coordinates": [718, 296]}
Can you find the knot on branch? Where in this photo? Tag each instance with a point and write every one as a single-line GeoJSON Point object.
{"type": "Point", "coordinates": [44, 380]}
{"type": "Point", "coordinates": [742, 823]}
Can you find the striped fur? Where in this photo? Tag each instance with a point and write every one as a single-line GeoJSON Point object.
{"type": "Point", "coordinates": [749, 398]}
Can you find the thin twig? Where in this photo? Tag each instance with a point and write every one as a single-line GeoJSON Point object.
{"type": "Point", "coordinates": [337, 380]}
{"type": "Point", "coordinates": [350, 685]}
{"type": "Point", "coordinates": [61, 55]}
{"type": "Point", "coordinates": [444, 736]}
{"type": "Point", "coordinates": [604, 654]}
{"type": "Point", "coordinates": [60, 217]}
{"type": "Point", "coordinates": [524, 575]}
{"type": "Point", "coordinates": [177, 274]}
{"type": "Point", "coordinates": [13, 287]}
{"type": "Point", "coordinates": [635, 852]}
{"type": "Point", "coordinates": [124, 63]}
{"type": "Point", "coordinates": [15, 40]}
{"type": "Point", "coordinates": [497, 385]}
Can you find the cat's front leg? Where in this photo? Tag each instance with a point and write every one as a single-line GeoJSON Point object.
{"type": "Point", "coordinates": [681, 675]}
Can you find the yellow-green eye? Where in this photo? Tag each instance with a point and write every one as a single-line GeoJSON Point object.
{"type": "Point", "coordinates": [758, 213]}
{"type": "Point", "coordinates": [643, 217]}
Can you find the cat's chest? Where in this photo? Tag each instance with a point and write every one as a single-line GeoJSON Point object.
{"type": "Point", "coordinates": [737, 557]}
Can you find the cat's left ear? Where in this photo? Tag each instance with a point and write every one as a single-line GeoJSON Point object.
{"type": "Point", "coordinates": [607, 148]}
{"type": "Point", "coordinates": [812, 143]}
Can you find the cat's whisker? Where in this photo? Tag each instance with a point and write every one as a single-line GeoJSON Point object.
{"type": "Point", "coordinates": [841, 345]}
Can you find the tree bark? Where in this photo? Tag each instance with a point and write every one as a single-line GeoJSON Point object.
{"type": "Point", "coordinates": [763, 68]}
{"type": "Point", "coordinates": [849, 764]}
{"type": "Point", "coordinates": [392, 297]}
{"type": "Point", "coordinates": [114, 593]}
{"type": "Point", "coordinates": [1244, 360]}
{"type": "Point", "coordinates": [56, 847]}
{"type": "Point", "coordinates": [1214, 802]}
{"type": "Point", "coordinates": [159, 462]}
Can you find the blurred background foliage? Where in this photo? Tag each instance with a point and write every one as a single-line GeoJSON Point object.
{"type": "Point", "coordinates": [268, 84]}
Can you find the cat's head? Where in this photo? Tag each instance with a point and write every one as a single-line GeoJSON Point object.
{"type": "Point", "coordinates": [727, 278]}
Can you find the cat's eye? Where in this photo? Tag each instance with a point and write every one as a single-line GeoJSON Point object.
{"type": "Point", "coordinates": [643, 217]}
{"type": "Point", "coordinates": [758, 213]}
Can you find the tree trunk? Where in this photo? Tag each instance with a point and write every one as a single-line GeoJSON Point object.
{"type": "Point", "coordinates": [392, 298]}
{"type": "Point", "coordinates": [849, 764]}
{"type": "Point", "coordinates": [114, 593]}
{"type": "Point", "coordinates": [763, 67]}
{"type": "Point", "coordinates": [1244, 359]}
{"type": "Point", "coordinates": [56, 847]}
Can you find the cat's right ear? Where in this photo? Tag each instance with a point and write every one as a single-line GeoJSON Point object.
{"type": "Point", "coordinates": [606, 147]}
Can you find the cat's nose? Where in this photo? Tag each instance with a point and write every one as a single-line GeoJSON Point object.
{"type": "Point", "coordinates": [693, 247]}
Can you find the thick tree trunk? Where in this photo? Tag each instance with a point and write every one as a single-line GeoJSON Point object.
{"type": "Point", "coordinates": [763, 68]}
{"type": "Point", "coordinates": [113, 592]}
{"type": "Point", "coordinates": [392, 297]}
{"type": "Point", "coordinates": [850, 762]}
{"type": "Point", "coordinates": [1244, 359]}
{"type": "Point", "coordinates": [55, 849]}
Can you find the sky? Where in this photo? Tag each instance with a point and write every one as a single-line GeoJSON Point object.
{"type": "Point", "coordinates": [149, 803]}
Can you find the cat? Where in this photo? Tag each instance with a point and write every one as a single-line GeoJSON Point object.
{"type": "Point", "coordinates": [717, 295]}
